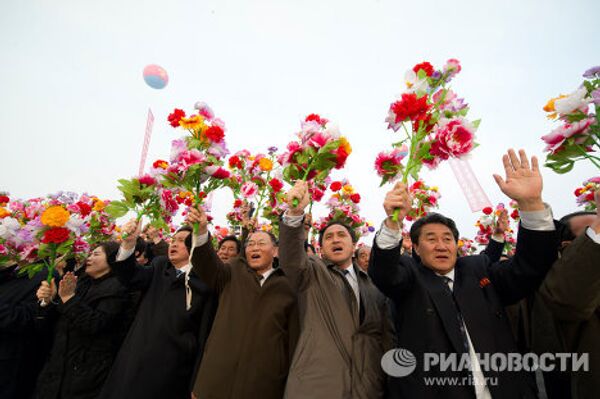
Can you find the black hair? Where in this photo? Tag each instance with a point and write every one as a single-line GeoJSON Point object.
{"type": "Point", "coordinates": [565, 232]}
{"type": "Point", "coordinates": [188, 239]}
{"type": "Point", "coordinates": [232, 238]}
{"type": "Point", "coordinates": [340, 223]}
{"type": "Point", "coordinates": [430, 218]}
{"type": "Point", "coordinates": [110, 248]}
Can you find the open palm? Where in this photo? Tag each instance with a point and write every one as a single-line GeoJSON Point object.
{"type": "Point", "coordinates": [523, 182]}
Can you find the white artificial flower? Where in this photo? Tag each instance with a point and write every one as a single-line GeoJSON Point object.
{"type": "Point", "coordinates": [75, 223]}
{"type": "Point", "coordinates": [9, 227]}
{"type": "Point", "coordinates": [332, 130]}
{"type": "Point", "coordinates": [414, 84]}
{"type": "Point", "coordinates": [486, 220]}
{"type": "Point", "coordinates": [572, 102]}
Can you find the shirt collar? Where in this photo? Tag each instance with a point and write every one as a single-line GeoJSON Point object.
{"type": "Point", "coordinates": [450, 275]}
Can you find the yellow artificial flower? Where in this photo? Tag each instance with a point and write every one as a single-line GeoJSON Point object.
{"type": "Point", "coordinates": [348, 189]}
{"type": "Point", "coordinates": [194, 122]}
{"type": "Point", "coordinates": [98, 206]}
{"type": "Point", "coordinates": [346, 144]}
{"type": "Point", "coordinates": [3, 213]}
{"type": "Point", "coordinates": [434, 188]}
{"type": "Point", "coordinates": [265, 164]}
{"type": "Point", "coordinates": [461, 243]}
{"type": "Point", "coordinates": [55, 216]}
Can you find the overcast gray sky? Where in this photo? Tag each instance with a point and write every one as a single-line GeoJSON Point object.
{"type": "Point", "coordinates": [73, 102]}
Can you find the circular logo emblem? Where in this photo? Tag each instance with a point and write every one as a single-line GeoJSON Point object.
{"type": "Point", "coordinates": [398, 362]}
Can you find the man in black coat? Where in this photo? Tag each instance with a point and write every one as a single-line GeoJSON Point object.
{"type": "Point", "coordinates": [450, 305]}
{"type": "Point", "coordinates": [22, 346]}
{"type": "Point", "coordinates": [161, 351]}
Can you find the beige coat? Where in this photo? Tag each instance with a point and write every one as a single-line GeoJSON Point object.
{"type": "Point", "coordinates": [337, 356]}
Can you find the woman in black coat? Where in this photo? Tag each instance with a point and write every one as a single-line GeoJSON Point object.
{"type": "Point", "coordinates": [92, 313]}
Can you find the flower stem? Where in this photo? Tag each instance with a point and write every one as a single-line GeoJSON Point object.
{"type": "Point", "coordinates": [593, 159]}
{"type": "Point", "coordinates": [52, 265]}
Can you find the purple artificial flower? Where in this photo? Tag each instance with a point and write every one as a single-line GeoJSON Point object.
{"type": "Point", "coordinates": [596, 96]}
{"type": "Point", "coordinates": [592, 72]}
{"type": "Point", "coordinates": [272, 150]}
{"type": "Point", "coordinates": [436, 75]}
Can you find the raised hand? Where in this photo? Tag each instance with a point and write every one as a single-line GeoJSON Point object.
{"type": "Point", "coordinates": [523, 182]}
{"type": "Point", "coordinates": [397, 203]}
{"type": "Point", "coordinates": [66, 288]}
{"type": "Point", "coordinates": [197, 215]}
{"type": "Point", "coordinates": [298, 195]}
{"type": "Point", "coordinates": [130, 232]}
{"type": "Point", "coordinates": [502, 224]}
{"type": "Point", "coordinates": [46, 293]}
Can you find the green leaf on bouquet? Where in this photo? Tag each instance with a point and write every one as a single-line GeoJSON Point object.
{"type": "Point", "coordinates": [31, 269]}
{"type": "Point", "coordinates": [116, 209]}
{"type": "Point", "coordinates": [560, 167]}
{"type": "Point", "coordinates": [476, 123]}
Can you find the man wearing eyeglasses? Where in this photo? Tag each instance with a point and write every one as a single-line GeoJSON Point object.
{"type": "Point", "coordinates": [254, 334]}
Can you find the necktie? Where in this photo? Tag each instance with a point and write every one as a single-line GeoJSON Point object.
{"type": "Point", "coordinates": [178, 273]}
{"type": "Point", "coordinates": [461, 322]}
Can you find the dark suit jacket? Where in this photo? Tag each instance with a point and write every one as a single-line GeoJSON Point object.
{"type": "Point", "coordinates": [161, 350]}
{"type": "Point", "coordinates": [427, 317]}
{"type": "Point", "coordinates": [572, 293]}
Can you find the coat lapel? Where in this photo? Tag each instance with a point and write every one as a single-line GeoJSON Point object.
{"type": "Point", "coordinates": [444, 305]}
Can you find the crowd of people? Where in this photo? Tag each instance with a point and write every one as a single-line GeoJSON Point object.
{"type": "Point", "coordinates": [259, 316]}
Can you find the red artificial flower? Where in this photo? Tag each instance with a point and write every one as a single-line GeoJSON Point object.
{"type": "Point", "coordinates": [276, 185]}
{"type": "Point", "coordinates": [175, 116]}
{"type": "Point", "coordinates": [425, 66]}
{"type": "Point", "coordinates": [432, 200]}
{"type": "Point", "coordinates": [487, 210]}
{"type": "Point", "coordinates": [215, 134]}
{"type": "Point", "coordinates": [452, 139]}
{"type": "Point", "coordinates": [4, 199]}
{"type": "Point", "coordinates": [577, 192]}
{"type": "Point", "coordinates": [235, 162]}
{"type": "Point", "coordinates": [312, 174]}
{"type": "Point", "coordinates": [410, 107]}
{"type": "Point", "coordinates": [515, 214]}
{"type": "Point", "coordinates": [316, 118]}
{"type": "Point", "coordinates": [221, 173]}
{"type": "Point", "coordinates": [355, 198]}
{"type": "Point", "coordinates": [147, 180]}
{"type": "Point", "coordinates": [84, 209]}
{"type": "Point", "coordinates": [336, 186]}
{"type": "Point", "coordinates": [317, 194]}
{"type": "Point", "coordinates": [416, 185]}
{"type": "Point", "coordinates": [55, 235]}
{"type": "Point", "coordinates": [237, 203]}
{"type": "Point", "coordinates": [159, 163]}
{"type": "Point", "coordinates": [342, 155]}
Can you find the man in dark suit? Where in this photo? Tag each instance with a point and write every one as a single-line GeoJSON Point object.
{"type": "Point", "coordinates": [450, 305]}
{"type": "Point", "coordinates": [162, 348]}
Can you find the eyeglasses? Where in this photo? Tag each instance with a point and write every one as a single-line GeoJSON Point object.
{"type": "Point", "coordinates": [260, 244]}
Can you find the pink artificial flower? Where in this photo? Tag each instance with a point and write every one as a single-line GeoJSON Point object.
{"type": "Point", "coordinates": [249, 189]}
{"type": "Point", "coordinates": [386, 161]}
{"type": "Point", "coordinates": [147, 180]}
{"type": "Point", "coordinates": [452, 67]}
{"type": "Point", "coordinates": [168, 202]}
{"type": "Point", "coordinates": [217, 172]}
{"type": "Point", "coordinates": [80, 246]}
{"type": "Point", "coordinates": [451, 101]}
{"type": "Point", "coordinates": [557, 137]}
{"type": "Point", "coordinates": [204, 110]}
{"type": "Point", "coordinates": [452, 138]}
{"type": "Point", "coordinates": [318, 140]}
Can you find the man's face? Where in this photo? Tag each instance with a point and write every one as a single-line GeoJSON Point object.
{"type": "Point", "coordinates": [337, 245]}
{"type": "Point", "coordinates": [437, 247]}
{"type": "Point", "coordinates": [227, 251]}
{"type": "Point", "coordinates": [260, 251]}
{"type": "Point", "coordinates": [152, 233]}
{"type": "Point", "coordinates": [178, 252]}
{"type": "Point", "coordinates": [363, 257]}
{"type": "Point", "coordinates": [578, 224]}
